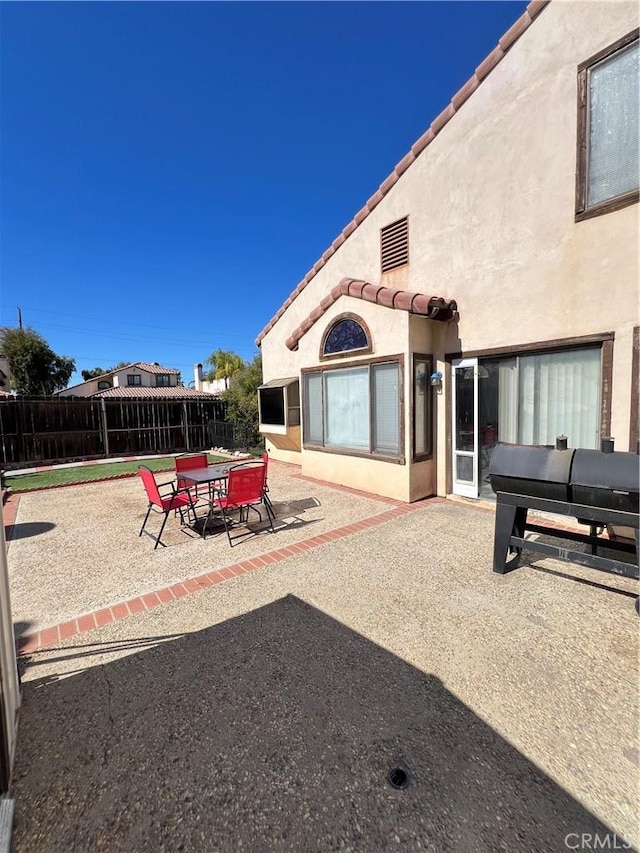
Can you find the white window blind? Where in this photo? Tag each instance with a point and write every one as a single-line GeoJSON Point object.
{"type": "Point", "coordinates": [313, 423]}
{"type": "Point", "coordinates": [346, 408]}
{"type": "Point", "coordinates": [613, 126]}
{"type": "Point", "coordinates": [508, 401]}
{"type": "Point", "coordinates": [386, 420]}
{"type": "Point", "coordinates": [559, 395]}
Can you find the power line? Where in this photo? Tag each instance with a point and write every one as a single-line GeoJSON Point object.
{"type": "Point", "coordinates": [214, 331]}
{"type": "Point", "coordinates": [153, 338]}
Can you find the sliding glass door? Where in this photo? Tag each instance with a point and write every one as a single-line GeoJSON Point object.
{"type": "Point", "coordinates": [524, 399]}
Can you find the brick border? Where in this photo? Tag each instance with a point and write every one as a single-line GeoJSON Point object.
{"type": "Point", "coordinates": [48, 637]}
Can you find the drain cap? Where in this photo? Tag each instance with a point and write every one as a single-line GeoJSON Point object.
{"type": "Point", "coordinates": [398, 777]}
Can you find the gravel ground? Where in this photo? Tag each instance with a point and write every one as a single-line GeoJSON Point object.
{"type": "Point", "coordinates": [77, 549]}
{"type": "Point", "coordinates": [265, 713]}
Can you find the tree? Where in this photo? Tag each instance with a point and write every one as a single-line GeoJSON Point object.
{"type": "Point", "coordinates": [35, 367]}
{"type": "Point", "coordinates": [242, 399]}
{"type": "Point", "coordinates": [224, 364]}
{"type": "Point", "coordinates": [99, 371]}
{"type": "Point", "coordinates": [93, 373]}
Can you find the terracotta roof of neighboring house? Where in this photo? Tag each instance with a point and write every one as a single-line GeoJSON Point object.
{"type": "Point", "coordinates": [153, 368]}
{"type": "Point", "coordinates": [141, 391]}
{"type": "Point", "coordinates": [488, 64]}
{"type": "Point", "coordinates": [431, 307]}
{"type": "Point", "coordinates": [142, 365]}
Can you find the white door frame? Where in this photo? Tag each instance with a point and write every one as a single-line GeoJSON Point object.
{"type": "Point", "coordinates": [465, 488]}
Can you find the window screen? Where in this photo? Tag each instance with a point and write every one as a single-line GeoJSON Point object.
{"type": "Point", "coordinates": [613, 162]}
{"type": "Point", "coordinates": [356, 408]}
{"type": "Point", "coordinates": [386, 420]}
{"type": "Point", "coordinates": [346, 409]}
{"type": "Point", "coordinates": [272, 406]}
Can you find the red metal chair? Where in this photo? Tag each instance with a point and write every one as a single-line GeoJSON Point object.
{"type": "Point", "coordinates": [177, 499]}
{"type": "Point", "coordinates": [244, 492]}
{"type": "Point", "coordinates": [187, 462]}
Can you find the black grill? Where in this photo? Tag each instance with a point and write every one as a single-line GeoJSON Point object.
{"type": "Point", "coordinates": [597, 487]}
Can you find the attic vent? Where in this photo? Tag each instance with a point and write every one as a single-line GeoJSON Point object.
{"type": "Point", "coordinates": [394, 245]}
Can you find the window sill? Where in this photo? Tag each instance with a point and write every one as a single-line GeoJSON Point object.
{"type": "Point", "coordinates": [360, 454]}
{"type": "Point", "coordinates": [425, 457]}
{"type": "Point", "coordinates": [608, 206]}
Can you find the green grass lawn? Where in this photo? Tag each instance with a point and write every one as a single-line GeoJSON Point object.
{"type": "Point", "coordinates": [86, 473]}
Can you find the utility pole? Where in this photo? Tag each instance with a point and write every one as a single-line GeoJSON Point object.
{"type": "Point", "coordinates": [20, 319]}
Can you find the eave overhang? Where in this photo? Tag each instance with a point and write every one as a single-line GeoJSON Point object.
{"type": "Point", "coordinates": [430, 307]}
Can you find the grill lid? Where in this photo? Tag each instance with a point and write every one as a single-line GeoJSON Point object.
{"type": "Point", "coordinates": [524, 462]}
{"type": "Point", "coordinates": [611, 471]}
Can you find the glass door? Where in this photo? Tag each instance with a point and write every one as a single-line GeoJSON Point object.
{"type": "Point", "coordinates": [465, 427]}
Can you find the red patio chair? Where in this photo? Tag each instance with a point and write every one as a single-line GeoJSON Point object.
{"type": "Point", "coordinates": [244, 492]}
{"type": "Point", "coordinates": [187, 462]}
{"type": "Point", "coordinates": [177, 499]}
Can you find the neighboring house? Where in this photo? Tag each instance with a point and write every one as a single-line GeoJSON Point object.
{"type": "Point", "coordinates": [217, 386]}
{"type": "Point", "coordinates": [5, 376]}
{"type": "Point", "coordinates": [139, 379]}
{"type": "Point", "coordinates": [488, 290]}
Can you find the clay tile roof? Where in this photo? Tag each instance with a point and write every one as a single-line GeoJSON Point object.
{"type": "Point", "coordinates": [176, 391]}
{"type": "Point", "coordinates": [431, 307]}
{"type": "Point", "coordinates": [155, 368]}
{"type": "Point", "coordinates": [142, 365]}
{"type": "Point", "coordinates": [486, 66]}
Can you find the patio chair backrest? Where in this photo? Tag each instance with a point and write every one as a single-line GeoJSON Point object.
{"type": "Point", "coordinates": [191, 460]}
{"type": "Point", "coordinates": [150, 485]}
{"type": "Point", "coordinates": [188, 462]}
{"type": "Point", "coordinates": [246, 484]}
{"type": "Point", "coordinates": [265, 461]}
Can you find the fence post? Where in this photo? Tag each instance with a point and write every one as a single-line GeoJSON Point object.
{"type": "Point", "coordinates": [103, 418]}
{"type": "Point", "coordinates": [185, 425]}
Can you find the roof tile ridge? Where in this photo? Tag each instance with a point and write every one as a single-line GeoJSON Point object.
{"type": "Point", "coordinates": [505, 42]}
{"type": "Point", "coordinates": [388, 297]}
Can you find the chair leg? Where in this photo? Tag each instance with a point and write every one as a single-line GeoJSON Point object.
{"type": "Point", "coordinates": [226, 526]}
{"type": "Point", "coordinates": [146, 518]}
{"type": "Point", "coordinates": [270, 515]}
{"type": "Point", "coordinates": [268, 506]}
{"type": "Point", "coordinates": [158, 542]}
{"type": "Point", "coordinates": [255, 509]}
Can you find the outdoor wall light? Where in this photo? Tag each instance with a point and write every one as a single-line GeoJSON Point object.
{"type": "Point", "coordinates": [436, 379]}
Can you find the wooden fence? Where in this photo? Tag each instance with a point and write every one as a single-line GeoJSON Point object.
{"type": "Point", "coordinates": [46, 430]}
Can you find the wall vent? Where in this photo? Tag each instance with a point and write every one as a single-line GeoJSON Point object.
{"type": "Point", "coordinates": [394, 245]}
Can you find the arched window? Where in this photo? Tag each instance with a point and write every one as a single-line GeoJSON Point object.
{"type": "Point", "coordinates": [347, 334]}
{"type": "Point", "coordinates": [103, 384]}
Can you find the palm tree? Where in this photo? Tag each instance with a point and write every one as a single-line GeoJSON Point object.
{"type": "Point", "coordinates": [224, 364]}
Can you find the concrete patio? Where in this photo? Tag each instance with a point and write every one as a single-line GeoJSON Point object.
{"type": "Point", "coordinates": [261, 704]}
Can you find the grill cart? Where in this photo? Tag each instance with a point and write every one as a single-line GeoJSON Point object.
{"type": "Point", "coordinates": [599, 488]}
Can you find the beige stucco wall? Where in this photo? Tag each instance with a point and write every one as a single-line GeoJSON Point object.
{"type": "Point", "coordinates": [491, 204]}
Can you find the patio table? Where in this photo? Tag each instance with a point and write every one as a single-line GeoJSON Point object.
{"type": "Point", "coordinates": [207, 476]}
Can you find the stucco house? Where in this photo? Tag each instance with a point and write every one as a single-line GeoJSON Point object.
{"type": "Point", "coordinates": [139, 379]}
{"type": "Point", "coordinates": [214, 386]}
{"type": "Point", "coordinates": [488, 289]}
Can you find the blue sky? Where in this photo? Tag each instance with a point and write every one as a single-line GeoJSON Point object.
{"type": "Point", "coordinates": [170, 171]}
